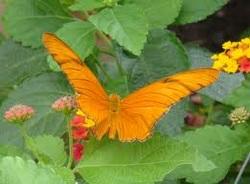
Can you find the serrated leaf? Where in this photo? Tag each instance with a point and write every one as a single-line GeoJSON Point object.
{"type": "Point", "coordinates": [48, 149]}
{"type": "Point", "coordinates": [39, 16]}
{"type": "Point", "coordinates": [79, 36]}
{"type": "Point", "coordinates": [26, 172]}
{"type": "Point", "coordinates": [162, 56]}
{"type": "Point", "coordinates": [238, 97]}
{"type": "Point", "coordinates": [125, 24]}
{"type": "Point", "coordinates": [66, 174]}
{"type": "Point", "coordinates": [159, 13]}
{"type": "Point", "coordinates": [39, 92]}
{"type": "Point", "coordinates": [17, 64]}
{"type": "Point", "coordinates": [142, 162]}
{"type": "Point", "coordinates": [200, 57]}
{"type": "Point", "coordinates": [196, 10]}
{"type": "Point", "coordinates": [227, 147]}
{"type": "Point", "coordinates": [87, 5]}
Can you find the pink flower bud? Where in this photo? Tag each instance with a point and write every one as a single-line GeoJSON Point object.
{"type": "Point", "coordinates": [65, 104]}
{"type": "Point", "coordinates": [19, 113]}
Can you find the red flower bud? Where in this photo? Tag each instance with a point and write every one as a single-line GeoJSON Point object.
{"type": "Point", "coordinates": [77, 121]}
{"type": "Point", "coordinates": [78, 151]}
{"type": "Point", "coordinates": [80, 133]}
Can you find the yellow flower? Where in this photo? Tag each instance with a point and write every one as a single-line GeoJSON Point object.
{"type": "Point", "coordinates": [229, 45]}
{"type": "Point", "coordinates": [237, 53]}
{"type": "Point", "coordinates": [231, 66]}
{"type": "Point", "coordinates": [215, 56]}
{"type": "Point", "coordinates": [218, 64]}
{"type": "Point", "coordinates": [247, 52]}
{"type": "Point", "coordinates": [88, 122]}
{"type": "Point", "coordinates": [245, 41]}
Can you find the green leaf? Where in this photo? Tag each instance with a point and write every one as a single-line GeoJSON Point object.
{"type": "Point", "coordinates": [17, 64]}
{"type": "Point", "coordinates": [87, 5]}
{"type": "Point", "coordinates": [162, 56]}
{"type": "Point", "coordinates": [200, 57]}
{"type": "Point", "coordinates": [39, 16]}
{"type": "Point", "coordinates": [125, 24]}
{"type": "Point", "coordinates": [66, 174]}
{"type": "Point", "coordinates": [79, 36]}
{"type": "Point", "coordinates": [48, 149]}
{"type": "Point", "coordinates": [8, 150]}
{"type": "Point", "coordinates": [238, 97]}
{"type": "Point", "coordinates": [172, 123]}
{"type": "Point", "coordinates": [196, 10]}
{"type": "Point", "coordinates": [159, 13]}
{"type": "Point", "coordinates": [146, 162]}
{"type": "Point", "coordinates": [227, 147]}
{"type": "Point", "coordinates": [39, 92]}
{"type": "Point", "coordinates": [18, 171]}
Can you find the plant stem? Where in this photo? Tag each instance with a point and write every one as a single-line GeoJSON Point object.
{"type": "Point", "coordinates": [243, 167]}
{"type": "Point", "coordinates": [70, 161]}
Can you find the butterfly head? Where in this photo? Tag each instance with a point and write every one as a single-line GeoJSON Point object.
{"type": "Point", "coordinates": [114, 101]}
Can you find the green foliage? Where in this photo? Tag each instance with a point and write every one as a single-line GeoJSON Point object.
{"type": "Point", "coordinates": [87, 5]}
{"type": "Point", "coordinates": [224, 149]}
{"type": "Point", "coordinates": [48, 149]}
{"type": "Point", "coordinates": [162, 56]}
{"type": "Point", "coordinates": [238, 97]}
{"type": "Point", "coordinates": [26, 172]}
{"type": "Point", "coordinates": [37, 17]}
{"type": "Point", "coordinates": [8, 150]}
{"type": "Point", "coordinates": [18, 64]}
{"type": "Point", "coordinates": [125, 24]}
{"type": "Point", "coordinates": [143, 163]}
{"type": "Point", "coordinates": [196, 10]}
{"type": "Point", "coordinates": [159, 13]}
{"type": "Point", "coordinates": [66, 174]}
{"type": "Point", "coordinates": [39, 92]}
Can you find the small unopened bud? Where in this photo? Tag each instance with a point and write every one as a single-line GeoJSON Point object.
{"type": "Point", "coordinates": [77, 121]}
{"type": "Point", "coordinates": [239, 115]}
{"type": "Point", "coordinates": [194, 120]}
{"type": "Point", "coordinates": [19, 113]}
{"type": "Point", "coordinates": [78, 151]}
{"type": "Point", "coordinates": [64, 104]}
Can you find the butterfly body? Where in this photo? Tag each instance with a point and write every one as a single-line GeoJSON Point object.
{"type": "Point", "coordinates": [133, 117]}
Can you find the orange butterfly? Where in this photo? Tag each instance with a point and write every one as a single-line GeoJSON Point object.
{"type": "Point", "coordinates": [133, 117]}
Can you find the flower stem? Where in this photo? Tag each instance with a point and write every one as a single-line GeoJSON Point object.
{"type": "Point", "coordinates": [242, 169]}
{"type": "Point", "coordinates": [70, 160]}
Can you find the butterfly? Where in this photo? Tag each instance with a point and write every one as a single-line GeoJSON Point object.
{"type": "Point", "coordinates": [133, 117]}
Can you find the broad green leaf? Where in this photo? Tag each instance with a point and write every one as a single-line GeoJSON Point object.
{"type": "Point", "coordinates": [219, 144]}
{"type": "Point", "coordinates": [79, 36]}
{"type": "Point", "coordinates": [14, 170]}
{"type": "Point", "coordinates": [196, 10]}
{"type": "Point", "coordinates": [48, 149]}
{"type": "Point", "coordinates": [17, 64]}
{"type": "Point", "coordinates": [172, 123]}
{"type": "Point", "coordinates": [37, 17]}
{"type": "Point", "coordinates": [200, 57]}
{"type": "Point", "coordinates": [39, 92]}
{"type": "Point", "coordinates": [239, 96]}
{"type": "Point", "coordinates": [159, 13]}
{"type": "Point", "coordinates": [87, 5]}
{"type": "Point", "coordinates": [125, 24]}
{"type": "Point", "coordinates": [146, 162]}
{"type": "Point", "coordinates": [8, 150]}
{"type": "Point", "coordinates": [163, 55]}
{"type": "Point", "coordinates": [66, 174]}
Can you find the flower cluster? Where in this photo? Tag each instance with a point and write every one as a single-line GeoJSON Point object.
{"type": "Point", "coordinates": [80, 124]}
{"type": "Point", "coordinates": [19, 113]}
{"type": "Point", "coordinates": [239, 115]}
{"type": "Point", "coordinates": [234, 58]}
{"type": "Point", "coordinates": [65, 104]}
